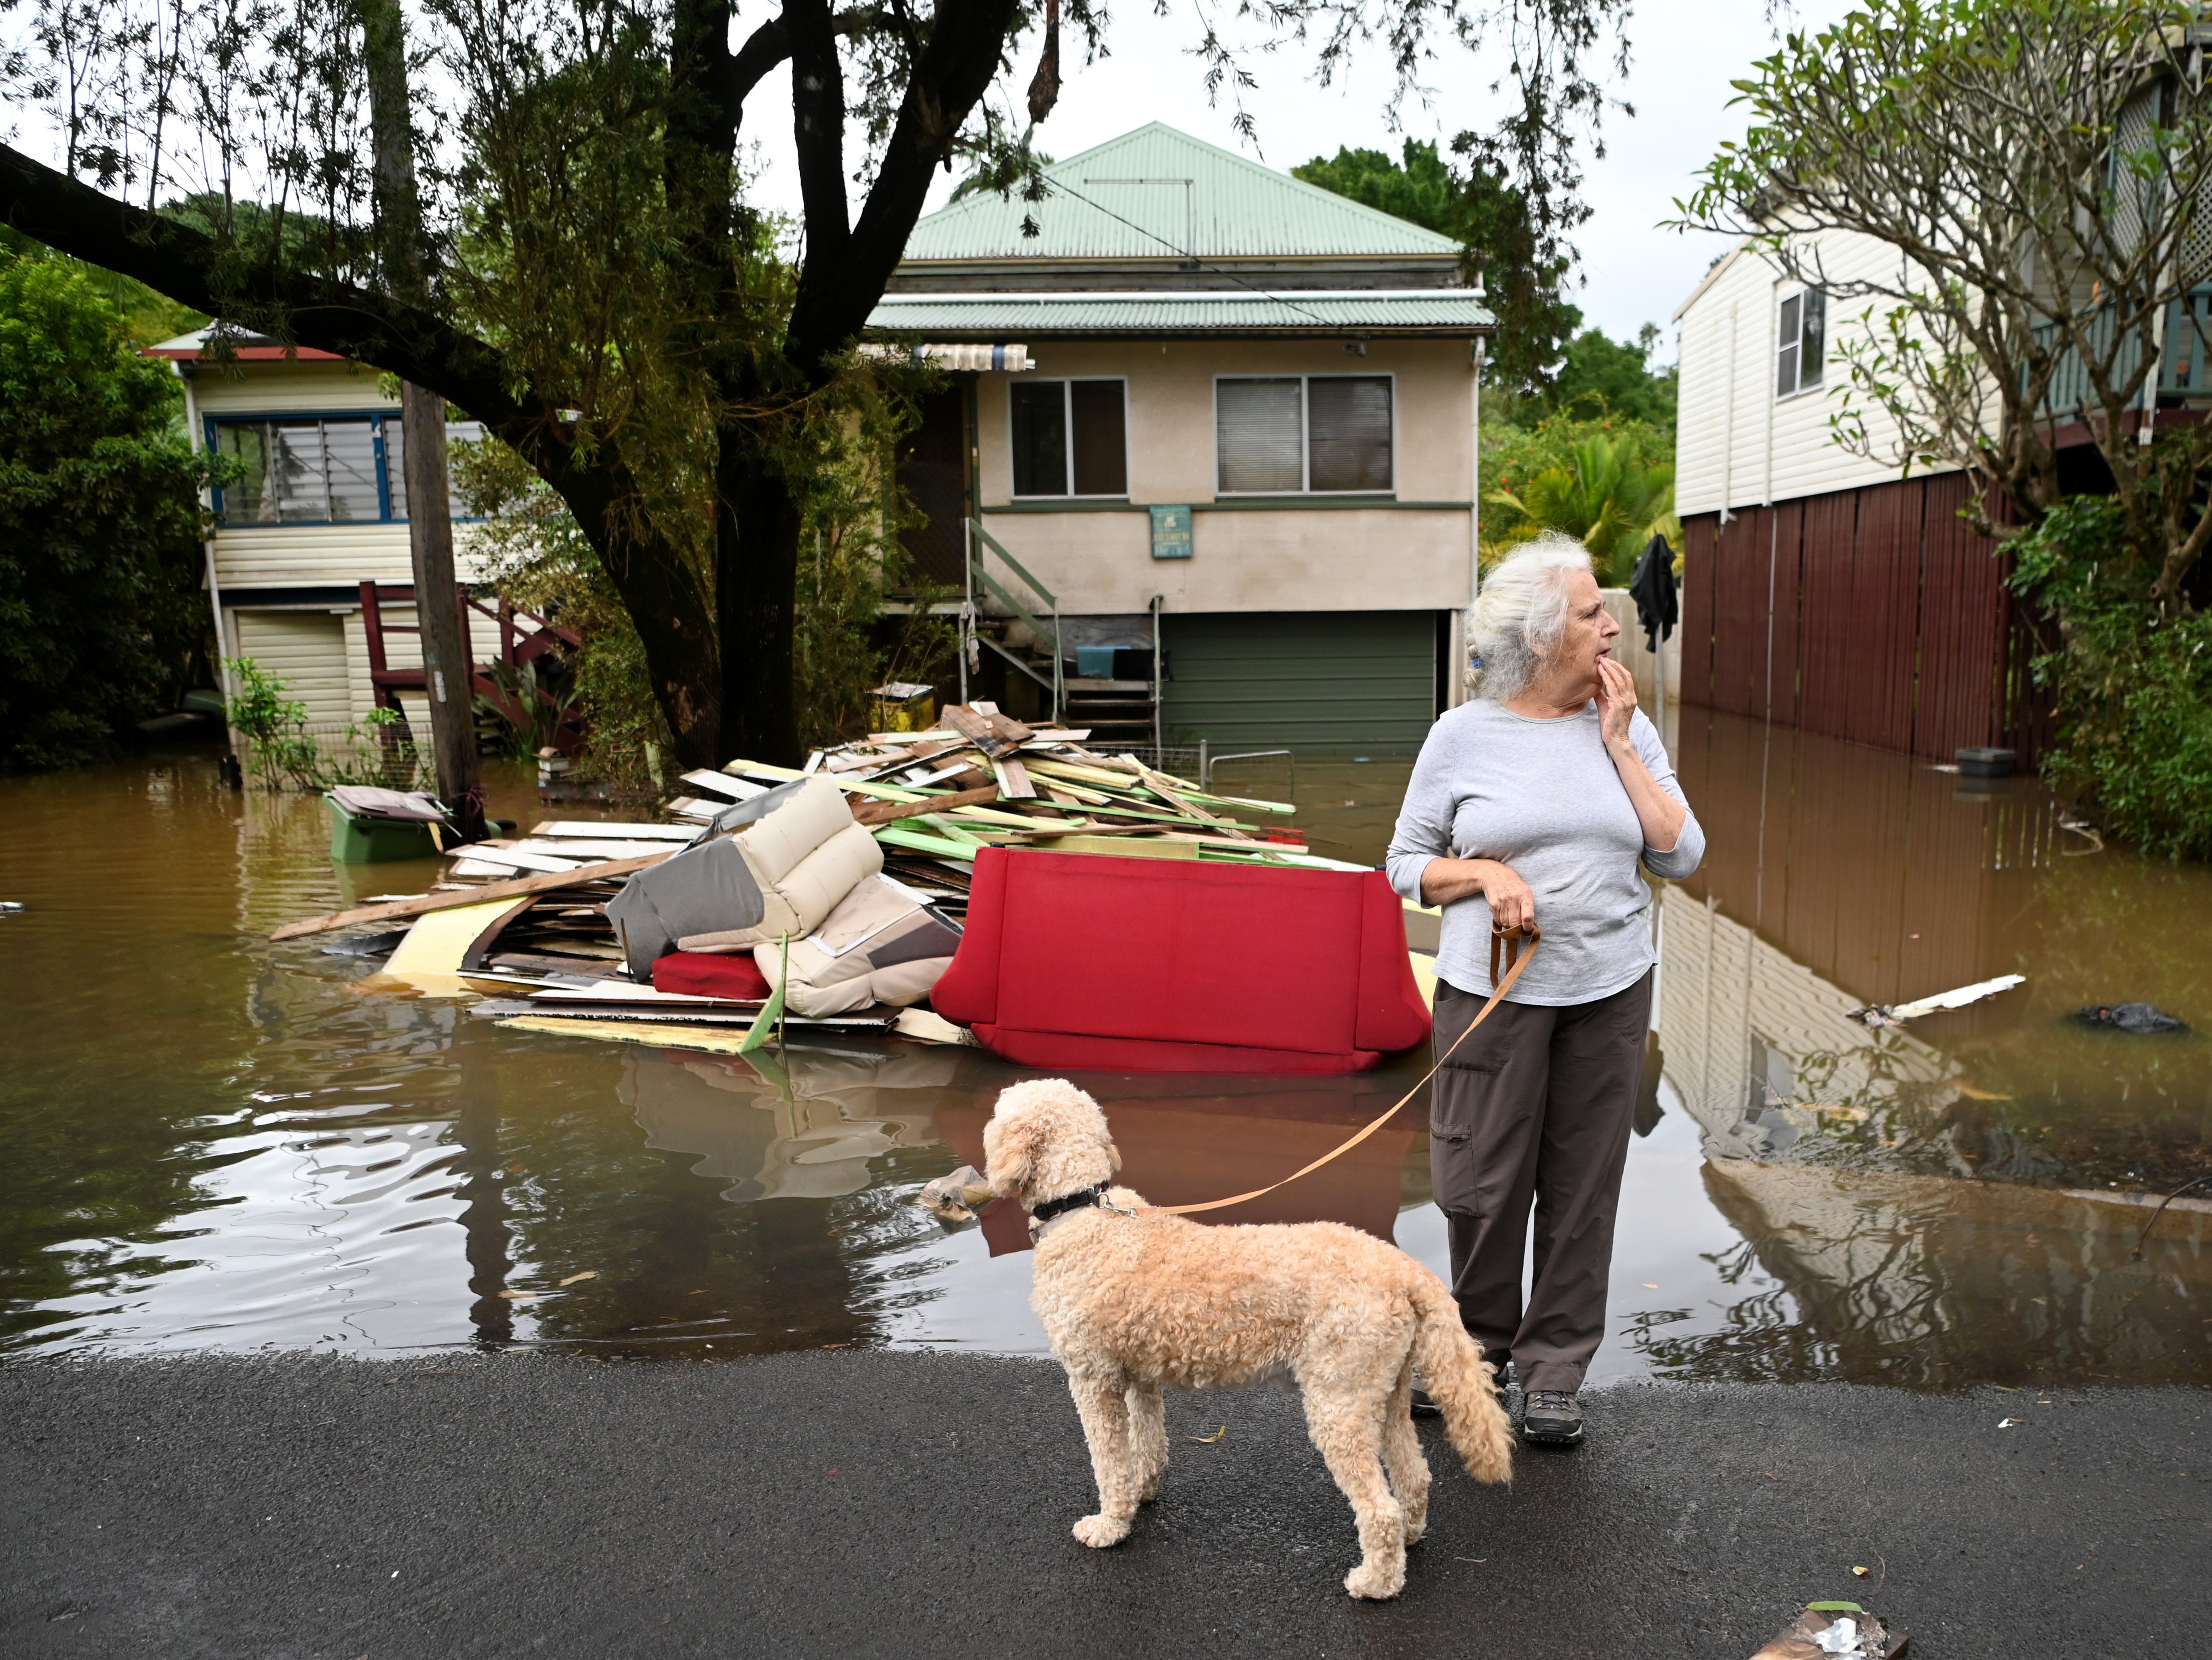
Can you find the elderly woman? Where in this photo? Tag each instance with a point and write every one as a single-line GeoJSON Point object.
{"type": "Point", "coordinates": [1533, 805]}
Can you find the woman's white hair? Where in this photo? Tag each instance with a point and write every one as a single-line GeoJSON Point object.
{"type": "Point", "coordinates": [1521, 612]}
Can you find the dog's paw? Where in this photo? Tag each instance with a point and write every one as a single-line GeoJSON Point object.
{"type": "Point", "coordinates": [1376, 1581]}
{"type": "Point", "coordinates": [1415, 1526]}
{"type": "Point", "coordinates": [1100, 1531]}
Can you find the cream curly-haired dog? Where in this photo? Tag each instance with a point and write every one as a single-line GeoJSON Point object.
{"type": "Point", "coordinates": [1134, 1302]}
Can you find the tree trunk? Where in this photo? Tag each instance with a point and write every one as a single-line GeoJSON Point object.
{"type": "Point", "coordinates": [755, 577]}
{"type": "Point", "coordinates": [447, 664]}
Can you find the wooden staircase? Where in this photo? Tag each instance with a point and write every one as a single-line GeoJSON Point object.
{"type": "Point", "coordinates": [524, 638]}
{"type": "Point", "coordinates": [1017, 618]}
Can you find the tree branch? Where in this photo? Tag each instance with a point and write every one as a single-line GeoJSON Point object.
{"type": "Point", "coordinates": [817, 116]}
{"type": "Point", "coordinates": [953, 72]}
{"type": "Point", "coordinates": [328, 315]}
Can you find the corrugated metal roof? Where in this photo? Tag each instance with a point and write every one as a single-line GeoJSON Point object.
{"type": "Point", "coordinates": [1022, 316]}
{"type": "Point", "coordinates": [1156, 193]}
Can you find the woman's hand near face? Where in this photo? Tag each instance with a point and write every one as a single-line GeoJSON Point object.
{"type": "Point", "coordinates": [1445, 881]}
{"type": "Point", "coordinates": [1616, 705]}
{"type": "Point", "coordinates": [1659, 813]}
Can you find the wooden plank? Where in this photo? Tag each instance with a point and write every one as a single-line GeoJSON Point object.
{"type": "Point", "coordinates": [1159, 785]}
{"type": "Point", "coordinates": [1696, 630]}
{"type": "Point", "coordinates": [1014, 783]}
{"type": "Point", "coordinates": [978, 730]}
{"type": "Point", "coordinates": [512, 858]}
{"type": "Point", "coordinates": [625, 832]}
{"type": "Point", "coordinates": [873, 812]}
{"type": "Point", "coordinates": [521, 884]}
{"type": "Point", "coordinates": [721, 784]}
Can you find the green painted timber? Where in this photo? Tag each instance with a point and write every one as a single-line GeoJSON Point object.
{"type": "Point", "coordinates": [1349, 681]}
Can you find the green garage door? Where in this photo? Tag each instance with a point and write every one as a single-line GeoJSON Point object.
{"type": "Point", "coordinates": [1351, 681]}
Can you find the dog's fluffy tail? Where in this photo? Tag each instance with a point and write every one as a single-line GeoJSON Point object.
{"type": "Point", "coordinates": [1457, 1378]}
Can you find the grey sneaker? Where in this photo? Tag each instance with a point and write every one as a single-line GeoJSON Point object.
{"type": "Point", "coordinates": [1553, 1418]}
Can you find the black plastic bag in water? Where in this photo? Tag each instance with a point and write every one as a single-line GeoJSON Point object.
{"type": "Point", "coordinates": [2138, 1017]}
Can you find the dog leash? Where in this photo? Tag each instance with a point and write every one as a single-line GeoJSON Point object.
{"type": "Point", "coordinates": [1517, 959]}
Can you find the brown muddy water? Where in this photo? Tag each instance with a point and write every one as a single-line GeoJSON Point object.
{"type": "Point", "coordinates": [208, 1141]}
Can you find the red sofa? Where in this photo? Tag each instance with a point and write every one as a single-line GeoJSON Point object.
{"type": "Point", "coordinates": [1085, 961]}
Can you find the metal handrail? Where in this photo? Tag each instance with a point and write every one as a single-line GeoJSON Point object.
{"type": "Point", "coordinates": [980, 539]}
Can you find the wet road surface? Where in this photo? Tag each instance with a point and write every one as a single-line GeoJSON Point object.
{"type": "Point", "coordinates": [854, 1504]}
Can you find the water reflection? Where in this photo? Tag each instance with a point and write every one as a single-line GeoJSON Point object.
{"type": "Point", "coordinates": [210, 1141]}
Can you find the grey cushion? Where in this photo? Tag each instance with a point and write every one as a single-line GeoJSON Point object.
{"type": "Point", "coordinates": [703, 889]}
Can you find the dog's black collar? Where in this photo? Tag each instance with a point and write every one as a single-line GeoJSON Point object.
{"type": "Point", "coordinates": [1069, 1201]}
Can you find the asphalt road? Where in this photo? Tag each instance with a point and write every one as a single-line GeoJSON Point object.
{"type": "Point", "coordinates": [859, 1504]}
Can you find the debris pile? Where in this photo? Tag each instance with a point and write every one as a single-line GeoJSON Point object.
{"type": "Point", "coordinates": [830, 895]}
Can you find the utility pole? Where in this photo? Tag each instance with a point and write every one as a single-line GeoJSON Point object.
{"type": "Point", "coordinates": [448, 662]}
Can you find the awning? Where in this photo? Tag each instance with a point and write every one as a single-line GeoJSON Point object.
{"type": "Point", "coordinates": [1459, 312]}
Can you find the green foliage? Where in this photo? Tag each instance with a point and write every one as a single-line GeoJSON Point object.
{"type": "Point", "coordinates": [534, 701]}
{"type": "Point", "coordinates": [149, 317]}
{"type": "Point", "coordinates": [541, 561]}
{"type": "Point", "coordinates": [1420, 189]}
{"type": "Point", "coordinates": [1604, 377]}
{"type": "Point", "coordinates": [275, 727]}
{"type": "Point", "coordinates": [1511, 239]}
{"type": "Point", "coordinates": [379, 749]}
{"type": "Point", "coordinates": [1609, 485]}
{"type": "Point", "coordinates": [2132, 679]}
{"type": "Point", "coordinates": [849, 557]}
{"type": "Point", "coordinates": [101, 616]}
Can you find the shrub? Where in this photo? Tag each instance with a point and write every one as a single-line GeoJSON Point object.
{"type": "Point", "coordinates": [2132, 680]}
{"type": "Point", "coordinates": [100, 615]}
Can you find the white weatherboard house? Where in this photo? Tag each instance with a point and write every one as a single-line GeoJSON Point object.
{"type": "Point", "coordinates": [1230, 413]}
{"type": "Point", "coordinates": [321, 508]}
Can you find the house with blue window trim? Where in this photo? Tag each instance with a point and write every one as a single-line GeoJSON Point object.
{"type": "Point", "coordinates": [317, 506]}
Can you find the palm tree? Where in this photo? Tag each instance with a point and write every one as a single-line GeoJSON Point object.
{"type": "Point", "coordinates": [1605, 494]}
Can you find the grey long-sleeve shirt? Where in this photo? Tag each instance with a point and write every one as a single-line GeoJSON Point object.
{"type": "Point", "coordinates": [1543, 797]}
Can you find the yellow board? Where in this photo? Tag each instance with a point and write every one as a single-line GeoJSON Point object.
{"type": "Point", "coordinates": [429, 957]}
{"type": "Point", "coordinates": [717, 1039]}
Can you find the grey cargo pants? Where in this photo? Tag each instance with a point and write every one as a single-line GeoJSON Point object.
{"type": "Point", "coordinates": [1536, 1106]}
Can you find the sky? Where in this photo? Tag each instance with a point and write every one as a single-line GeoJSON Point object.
{"type": "Point", "coordinates": [1684, 54]}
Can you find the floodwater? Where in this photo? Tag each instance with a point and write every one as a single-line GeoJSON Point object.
{"type": "Point", "coordinates": [208, 1141]}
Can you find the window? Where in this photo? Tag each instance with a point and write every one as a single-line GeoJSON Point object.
{"type": "Point", "coordinates": [1295, 435]}
{"type": "Point", "coordinates": [1804, 332]}
{"type": "Point", "coordinates": [317, 471]}
{"type": "Point", "coordinates": [1070, 438]}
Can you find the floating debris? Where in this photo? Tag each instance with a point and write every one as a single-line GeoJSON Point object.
{"type": "Point", "coordinates": [2142, 1020]}
{"type": "Point", "coordinates": [955, 1197]}
{"type": "Point", "coordinates": [1877, 1015]}
{"type": "Point", "coordinates": [832, 895]}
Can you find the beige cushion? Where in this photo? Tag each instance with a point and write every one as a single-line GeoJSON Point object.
{"type": "Point", "coordinates": [879, 945]}
{"type": "Point", "coordinates": [807, 856]}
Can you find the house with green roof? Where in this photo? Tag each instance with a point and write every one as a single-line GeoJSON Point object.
{"type": "Point", "coordinates": [1206, 464]}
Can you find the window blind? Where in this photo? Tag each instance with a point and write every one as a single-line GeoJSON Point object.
{"type": "Point", "coordinates": [1260, 435]}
